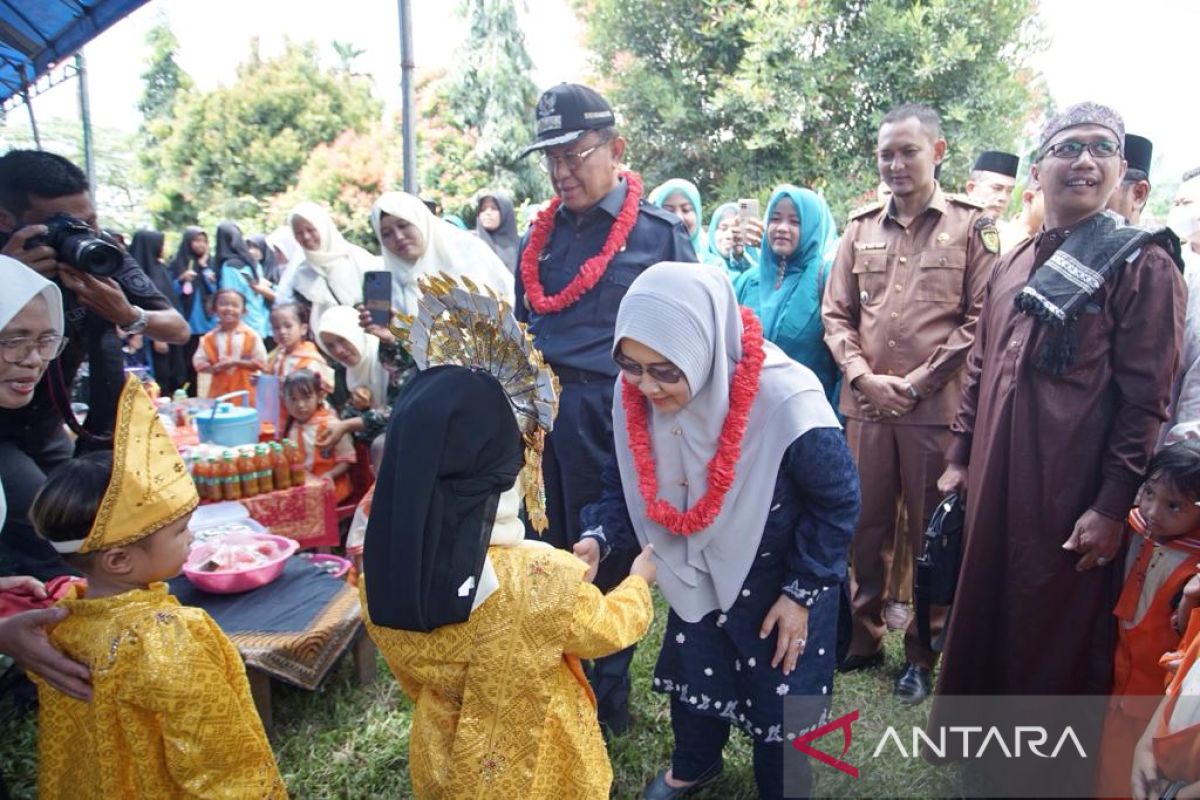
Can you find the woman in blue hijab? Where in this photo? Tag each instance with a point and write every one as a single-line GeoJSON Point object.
{"type": "Point", "coordinates": [738, 260]}
{"type": "Point", "coordinates": [785, 291]}
{"type": "Point", "coordinates": [682, 199]}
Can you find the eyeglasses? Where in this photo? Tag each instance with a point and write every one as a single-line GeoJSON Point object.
{"type": "Point", "coordinates": [19, 348]}
{"type": "Point", "coordinates": [1101, 148]}
{"type": "Point", "coordinates": [661, 373]}
{"type": "Point", "coordinates": [572, 161]}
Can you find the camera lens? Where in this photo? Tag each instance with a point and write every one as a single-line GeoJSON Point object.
{"type": "Point", "coordinates": [93, 255]}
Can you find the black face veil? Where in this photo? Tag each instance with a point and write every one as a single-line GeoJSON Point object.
{"type": "Point", "coordinates": [453, 446]}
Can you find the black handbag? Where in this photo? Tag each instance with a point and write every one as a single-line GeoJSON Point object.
{"type": "Point", "coordinates": [938, 564]}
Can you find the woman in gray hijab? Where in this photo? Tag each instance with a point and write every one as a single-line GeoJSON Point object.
{"type": "Point", "coordinates": [731, 462]}
{"type": "Point", "coordinates": [496, 224]}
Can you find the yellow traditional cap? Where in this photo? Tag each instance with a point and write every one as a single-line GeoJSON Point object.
{"type": "Point", "coordinates": [150, 485]}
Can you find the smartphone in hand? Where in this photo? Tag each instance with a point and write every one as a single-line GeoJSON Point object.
{"type": "Point", "coordinates": [747, 209]}
{"type": "Point", "coordinates": [377, 296]}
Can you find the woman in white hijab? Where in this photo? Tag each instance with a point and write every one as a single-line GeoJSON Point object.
{"type": "Point", "coordinates": [31, 336]}
{"type": "Point", "coordinates": [332, 270]}
{"type": "Point", "coordinates": [288, 255]}
{"type": "Point", "coordinates": [414, 243]}
{"type": "Point", "coordinates": [370, 377]}
{"type": "Point", "coordinates": [733, 465]}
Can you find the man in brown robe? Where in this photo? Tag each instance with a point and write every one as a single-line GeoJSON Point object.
{"type": "Point", "coordinates": [1051, 441]}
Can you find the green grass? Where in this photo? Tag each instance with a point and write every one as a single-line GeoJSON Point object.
{"type": "Point", "coordinates": [349, 741]}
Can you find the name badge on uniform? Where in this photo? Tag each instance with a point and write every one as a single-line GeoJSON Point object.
{"type": "Point", "coordinates": [861, 246]}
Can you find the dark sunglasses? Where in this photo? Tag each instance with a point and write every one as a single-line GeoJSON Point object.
{"type": "Point", "coordinates": [663, 373]}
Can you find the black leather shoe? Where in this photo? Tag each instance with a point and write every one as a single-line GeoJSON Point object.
{"type": "Point", "coordinates": [914, 684]}
{"type": "Point", "coordinates": [659, 790]}
{"type": "Point", "coordinates": [853, 663]}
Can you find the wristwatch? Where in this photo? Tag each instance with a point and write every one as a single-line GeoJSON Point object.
{"type": "Point", "coordinates": [912, 390]}
{"type": "Point", "coordinates": [139, 324]}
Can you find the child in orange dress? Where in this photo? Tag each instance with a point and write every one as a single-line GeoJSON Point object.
{"type": "Point", "coordinates": [308, 414]}
{"type": "Point", "coordinates": [232, 353]}
{"type": "Point", "coordinates": [1166, 762]}
{"type": "Point", "coordinates": [289, 326]}
{"type": "Point", "coordinates": [1164, 552]}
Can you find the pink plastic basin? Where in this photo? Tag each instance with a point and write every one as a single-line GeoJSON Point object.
{"type": "Point", "coordinates": [237, 580]}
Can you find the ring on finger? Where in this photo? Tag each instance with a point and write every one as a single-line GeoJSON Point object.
{"type": "Point", "coordinates": [798, 642]}
{"type": "Point", "coordinates": [1101, 560]}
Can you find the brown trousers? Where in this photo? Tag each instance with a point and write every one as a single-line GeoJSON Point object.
{"type": "Point", "coordinates": [897, 464]}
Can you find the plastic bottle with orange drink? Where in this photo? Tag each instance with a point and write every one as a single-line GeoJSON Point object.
{"type": "Point", "coordinates": [262, 464]}
{"type": "Point", "coordinates": [231, 486]}
{"type": "Point", "coordinates": [201, 477]}
{"type": "Point", "coordinates": [280, 467]}
{"type": "Point", "coordinates": [295, 462]}
{"type": "Point", "coordinates": [216, 487]}
{"type": "Point", "coordinates": [247, 473]}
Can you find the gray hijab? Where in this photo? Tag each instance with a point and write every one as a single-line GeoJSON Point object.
{"type": "Point", "coordinates": [688, 313]}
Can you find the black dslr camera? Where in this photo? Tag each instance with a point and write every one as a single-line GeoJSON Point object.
{"type": "Point", "coordinates": [78, 246]}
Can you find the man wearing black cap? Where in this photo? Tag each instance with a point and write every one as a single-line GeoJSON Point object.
{"type": "Point", "coordinates": [576, 263]}
{"type": "Point", "coordinates": [1129, 198]}
{"type": "Point", "coordinates": [992, 181]}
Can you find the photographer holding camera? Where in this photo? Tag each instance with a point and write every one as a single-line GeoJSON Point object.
{"type": "Point", "coordinates": [48, 222]}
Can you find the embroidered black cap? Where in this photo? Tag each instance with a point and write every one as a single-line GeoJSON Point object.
{"type": "Point", "coordinates": [566, 112]}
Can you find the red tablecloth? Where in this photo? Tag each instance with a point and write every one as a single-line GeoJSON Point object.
{"type": "Point", "coordinates": [304, 513]}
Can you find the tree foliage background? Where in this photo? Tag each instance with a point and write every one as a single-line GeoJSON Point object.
{"type": "Point", "coordinates": [477, 118]}
{"type": "Point", "coordinates": [740, 95]}
{"type": "Point", "coordinates": [227, 152]}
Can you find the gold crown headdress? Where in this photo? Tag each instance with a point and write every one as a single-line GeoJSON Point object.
{"type": "Point", "coordinates": [150, 485]}
{"type": "Point", "coordinates": [458, 323]}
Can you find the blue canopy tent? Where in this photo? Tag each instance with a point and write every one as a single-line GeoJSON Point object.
{"type": "Point", "coordinates": [36, 34]}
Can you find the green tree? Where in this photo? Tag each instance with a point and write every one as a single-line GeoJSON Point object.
{"type": "Point", "coordinates": [163, 79]}
{"type": "Point", "coordinates": [477, 120]}
{"type": "Point", "coordinates": [347, 54]}
{"type": "Point", "coordinates": [232, 149]}
{"type": "Point", "coordinates": [162, 83]}
{"type": "Point", "coordinates": [346, 175]}
{"type": "Point", "coordinates": [740, 95]}
{"type": "Point", "coordinates": [120, 196]}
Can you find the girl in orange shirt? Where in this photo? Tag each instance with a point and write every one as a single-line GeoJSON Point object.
{"type": "Point", "coordinates": [289, 326]}
{"type": "Point", "coordinates": [308, 415]}
{"type": "Point", "coordinates": [232, 353]}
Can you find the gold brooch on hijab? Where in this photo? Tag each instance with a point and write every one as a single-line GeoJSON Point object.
{"type": "Point", "coordinates": [460, 324]}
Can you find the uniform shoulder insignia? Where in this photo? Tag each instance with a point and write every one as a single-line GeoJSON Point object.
{"type": "Point", "coordinates": [963, 200]}
{"type": "Point", "coordinates": [988, 234]}
{"type": "Point", "coordinates": [862, 211]}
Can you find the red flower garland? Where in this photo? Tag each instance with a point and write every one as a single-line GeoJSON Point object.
{"type": "Point", "coordinates": [593, 269]}
{"type": "Point", "coordinates": [722, 466]}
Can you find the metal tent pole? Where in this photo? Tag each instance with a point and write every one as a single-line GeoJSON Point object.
{"type": "Point", "coordinates": [85, 115]}
{"type": "Point", "coordinates": [408, 116]}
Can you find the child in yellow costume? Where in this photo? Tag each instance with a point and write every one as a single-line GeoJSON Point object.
{"type": "Point", "coordinates": [484, 630]}
{"type": "Point", "coordinates": [171, 714]}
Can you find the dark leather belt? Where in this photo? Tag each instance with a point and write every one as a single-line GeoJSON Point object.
{"type": "Point", "coordinates": [571, 375]}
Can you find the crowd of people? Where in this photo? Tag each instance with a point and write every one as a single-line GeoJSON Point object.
{"type": "Point", "coordinates": [760, 414]}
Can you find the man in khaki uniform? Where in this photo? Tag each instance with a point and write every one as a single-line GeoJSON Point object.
{"type": "Point", "coordinates": [899, 311]}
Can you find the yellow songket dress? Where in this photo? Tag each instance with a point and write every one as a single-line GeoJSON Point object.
{"type": "Point", "coordinates": [171, 714]}
{"type": "Point", "coordinates": [502, 706]}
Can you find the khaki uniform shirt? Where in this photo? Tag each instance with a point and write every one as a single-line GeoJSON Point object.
{"type": "Point", "coordinates": [903, 300]}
